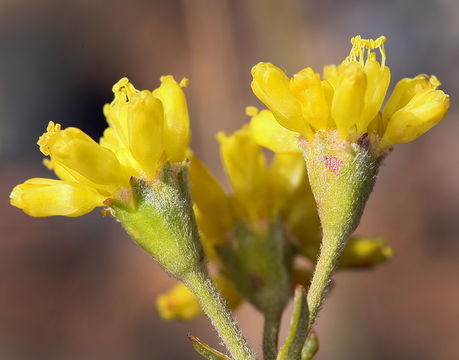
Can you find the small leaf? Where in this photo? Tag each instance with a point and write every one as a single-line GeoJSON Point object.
{"type": "Point", "coordinates": [310, 346]}
{"type": "Point", "coordinates": [205, 350]}
{"type": "Point", "coordinates": [298, 326]}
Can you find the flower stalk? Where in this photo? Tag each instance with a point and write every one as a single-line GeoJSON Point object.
{"type": "Point", "coordinates": [214, 307]}
{"type": "Point", "coordinates": [271, 334]}
{"type": "Point", "coordinates": [342, 175]}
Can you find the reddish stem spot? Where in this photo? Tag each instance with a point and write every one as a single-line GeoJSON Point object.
{"type": "Point", "coordinates": [333, 164]}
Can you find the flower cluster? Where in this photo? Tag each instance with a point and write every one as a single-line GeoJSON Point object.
{"type": "Point", "coordinates": [145, 130]}
{"type": "Point", "coordinates": [348, 99]}
{"type": "Point", "coordinates": [292, 206]}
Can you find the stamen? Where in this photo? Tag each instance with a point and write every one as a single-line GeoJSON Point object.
{"type": "Point", "coordinates": [43, 141]}
{"type": "Point", "coordinates": [357, 53]}
{"type": "Point", "coordinates": [124, 90]}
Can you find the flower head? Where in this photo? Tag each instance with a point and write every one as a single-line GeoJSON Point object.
{"type": "Point", "coordinates": [145, 130]}
{"type": "Point", "coordinates": [349, 98]}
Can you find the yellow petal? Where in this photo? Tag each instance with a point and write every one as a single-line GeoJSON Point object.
{"type": "Point", "coordinates": [271, 86]}
{"type": "Point", "coordinates": [228, 292]}
{"type": "Point", "coordinates": [59, 170]}
{"type": "Point", "coordinates": [110, 140]}
{"type": "Point", "coordinates": [423, 112]}
{"type": "Point", "coordinates": [331, 75]}
{"type": "Point", "coordinates": [177, 123]}
{"type": "Point", "coordinates": [348, 100]}
{"type": "Point", "coordinates": [376, 126]}
{"type": "Point", "coordinates": [245, 166]}
{"type": "Point", "coordinates": [269, 133]}
{"type": "Point", "coordinates": [208, 195]}
{"type": "Point", "coordinates": [307, 87]}
{"type": "Point", "coordinates": [47, 197]}
{"type": "Point", "coordinates": [405, 90]}
{"type": "Point", "coordinates": [146, 124]}
{"type": "Point", "coordinates": [211, 232]}
{"type": "Point", "coordinates": [75, 150]}
{"type": "Point", "coordinates": [328, 93]}
{"type": "Point", "coordinates": [377, 83]}
{"type": "Point", "coordinates": [117, 112]}
{"type": "Point", "coordinates": [178, 303]}
{"type": "Point", "coordinates": [286, 174]}
{"type": "Point", "coordinates": [300, 213]}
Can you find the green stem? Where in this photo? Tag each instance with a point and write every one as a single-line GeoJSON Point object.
{"type": "Point", "coordinates": [214, 307]}
{"type": "Point", "coordinates": [270, 335]}
{"type": "Point", "coordinates": [329, 254]}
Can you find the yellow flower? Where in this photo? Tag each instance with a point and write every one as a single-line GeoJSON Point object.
{"type": "Point", "coordinates": [348, 99]}
{"type": "Point", "coordinates": [145, 130]}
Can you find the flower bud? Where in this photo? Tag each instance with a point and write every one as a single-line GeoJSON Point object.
{"type": "Point", "coordinates": [177, 122]}
{"type": "Point", "coordinates": [75, 150]}
{"type": "Point", "coordinates": [359, 252]}
{"type": "Point", "coordinates": [424, 110]}
{"type": "Point", "coordinates": [307, 87]}
{"type": "Point", "coordinates": [145, 124]}
{"type": "Point", "coordinates": [378, 79]}
{"type": "Point", "coordinates": [271, 86]}
{"type": "Point", "coordinates": [405, 90]}
{"type": "Point", "coordinates": [348, 101]}
{"type": "Point", "coordinates": [362, 252]}
{"type": "Point", "coordinates": [246, 168]}
{"type": "Point", "coordinates": [45, 197]}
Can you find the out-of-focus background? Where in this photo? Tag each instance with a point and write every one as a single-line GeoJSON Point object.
{"type": "Point", "coordinates": [80, 289]}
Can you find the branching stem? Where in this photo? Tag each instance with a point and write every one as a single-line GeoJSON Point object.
{"type": "Point", "coordinates": [214, 307]}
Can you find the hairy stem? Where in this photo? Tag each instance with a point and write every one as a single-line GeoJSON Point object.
{"type": "Point", "coordinates": [214, 307]}
{"type": "Point", "coordinates": [270, 335]}
{"type": "Point", "coordinates": [329, 254]}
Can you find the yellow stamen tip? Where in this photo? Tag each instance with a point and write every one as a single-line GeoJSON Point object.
{"type": "Point", "coordinates": [434, 82]}
{"type": "Point", "coordinates": [184, 82]}
{"type": "Point", "coordinates": [123, 90]}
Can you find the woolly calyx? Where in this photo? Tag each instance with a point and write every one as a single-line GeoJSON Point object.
{"type": "Point", "coordinates": [342, 174]}
{"type": "Point", "coordinates": [159, 217]}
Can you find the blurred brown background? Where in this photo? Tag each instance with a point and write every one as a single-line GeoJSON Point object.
{"type": "Point", "coordinates": [80, 289]}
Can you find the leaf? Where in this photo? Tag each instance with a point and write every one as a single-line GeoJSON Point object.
{"type": "Point", "coordinates": [298, 326]}
{"type": "Point", "coordinates": [310, 346]}
{"type": "Point", "coordinates": [205, 350]}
